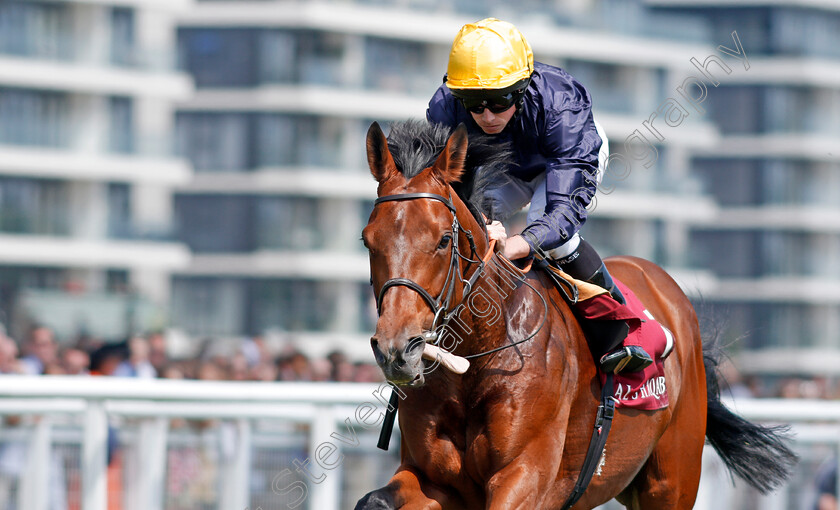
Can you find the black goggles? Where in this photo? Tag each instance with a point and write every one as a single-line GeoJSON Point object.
{"type": "Point", "coordinates": [494, 107]}
{"type": "Point", "coordinates": [497, 103]}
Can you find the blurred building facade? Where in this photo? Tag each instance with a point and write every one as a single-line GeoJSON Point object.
{"type": "Point", "coordinates": [774, 244]}
{"type": "Point", "coordinates": [740, 203]}
{"type": "Point", "coordinates": [285, 92]}
{"type": "Point", "coordinates": [86, 174]}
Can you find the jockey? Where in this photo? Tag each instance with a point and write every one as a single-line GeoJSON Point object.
{"type": "Point", "coordinates": [494, 86]}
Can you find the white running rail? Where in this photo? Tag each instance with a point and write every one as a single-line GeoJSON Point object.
{"type": "Point", "coordinates": [320, 408]}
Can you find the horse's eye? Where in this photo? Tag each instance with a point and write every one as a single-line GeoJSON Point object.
{"type": "Point", "coordinates": [444, 242]}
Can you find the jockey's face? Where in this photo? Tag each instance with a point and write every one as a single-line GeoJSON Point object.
{"type": "Point", "coordinates": [492, 123]}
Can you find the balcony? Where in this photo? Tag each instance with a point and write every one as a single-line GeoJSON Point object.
{"type": "Point", "coordinates": [421, 25]}
{"type": "Point", "coordinates": [87, 78]}
{"type": "Point", "coordinates": [777, 289]}
{"type": "Point", "coordinates": [325, 101]}
{"type": "Point", "coordinates": [67, 164]}
{"type": "Point", "coordinates": [816, 147]}
{"type": "Point", "coordinates": [805, 218]}
{"type": "Point", "coordinates": [43, 251]}
{"type": "Point", "coordinates": [313, 182]}
{"type": "Point", "coordinates": [315, 265]}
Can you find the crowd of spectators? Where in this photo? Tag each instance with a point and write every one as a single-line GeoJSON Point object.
{"type": "Point", "coordinates": [145, 356]}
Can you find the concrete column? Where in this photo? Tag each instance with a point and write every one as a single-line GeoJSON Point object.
{"type": "Point", "coordinates": [92, 33]}
{"type": "Point", "coordinates": [676, 244]}
{"type": "Point", "coordinates": [89, 209]}
{"type": "Point", "coordinates": [352, 67]}
{"type": "Point", "coordinates": [348, 309]}
{"type": "Point", "coordinates": [342, 218]}
{"type": "Point", "coordinates": [156, 37]}
{"type": "Point", "coordinates": [90, 123]}
{"type": "Point", "coordinates": [353, 152]}
{"type": "Point", "coordinates": [152, 208]}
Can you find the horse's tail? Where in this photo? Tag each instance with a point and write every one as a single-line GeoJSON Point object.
{"type": "Point", "coordinates": [758, 455]}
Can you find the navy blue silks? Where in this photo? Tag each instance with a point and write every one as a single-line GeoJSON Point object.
{"type": "Point", "coordinates": [553, 134]}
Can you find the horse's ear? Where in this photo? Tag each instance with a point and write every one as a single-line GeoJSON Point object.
{"type": "Point", "coordinates": [450, 163]}
{"type": "Point", "coordinates": [379, 157]}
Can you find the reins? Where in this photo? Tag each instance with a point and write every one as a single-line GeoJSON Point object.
{"type": "Point", "coordinates": [485, 259]}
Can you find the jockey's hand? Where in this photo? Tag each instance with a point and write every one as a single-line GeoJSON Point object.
{"type": "Point", "coordinates": [513, 248]}
{"type": "Point", "coordinates": [496, 232]}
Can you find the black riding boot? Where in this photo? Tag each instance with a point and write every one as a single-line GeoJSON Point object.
{"type": "Point", "coordinates": [585, 264]}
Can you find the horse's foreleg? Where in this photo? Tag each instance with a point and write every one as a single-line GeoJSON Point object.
{"type": "Point", "coordinates": [517, 486]}
{"type": "Point", "coordinates": [407, 490]}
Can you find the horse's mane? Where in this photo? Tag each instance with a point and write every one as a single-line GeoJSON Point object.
{"type": "Point", "coordinates": [416, 144]}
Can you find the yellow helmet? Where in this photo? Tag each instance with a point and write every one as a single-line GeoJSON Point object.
{"type": "Point", "coordinates": [489, 54]}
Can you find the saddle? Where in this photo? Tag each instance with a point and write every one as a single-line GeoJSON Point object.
{"type": "Point", "coordinates": [599, 314]}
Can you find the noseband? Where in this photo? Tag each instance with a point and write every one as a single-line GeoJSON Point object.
{"type": "Point", "coordinates": [441, 306]}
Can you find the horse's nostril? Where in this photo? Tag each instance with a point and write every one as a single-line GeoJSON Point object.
{"type": "Point", "coordinates": [377, 352]}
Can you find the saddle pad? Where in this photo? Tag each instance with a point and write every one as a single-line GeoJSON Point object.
{"type": "Point", "coordinates": [643, 390]}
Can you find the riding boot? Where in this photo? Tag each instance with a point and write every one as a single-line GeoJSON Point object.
{"type": "Point", "coordinates": [604, 337]}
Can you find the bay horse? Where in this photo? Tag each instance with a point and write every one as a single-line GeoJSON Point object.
{"type": "Point", "coordinates": [512, 432]}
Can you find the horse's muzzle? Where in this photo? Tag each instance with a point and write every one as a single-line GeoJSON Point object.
{"type": "Point", "coordinates": [404, 366]}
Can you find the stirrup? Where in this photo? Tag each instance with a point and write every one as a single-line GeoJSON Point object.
{"type": "Point", "coordinates": [631, 358]}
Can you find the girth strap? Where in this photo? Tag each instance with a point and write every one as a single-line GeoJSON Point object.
{"type": "Point", "coordinates": [603, 423]}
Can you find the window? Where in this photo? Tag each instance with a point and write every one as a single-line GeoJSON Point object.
{"type": "Point", "coordinates": [320, 58]}
{"type": "Point", "coordinates": [33, 118]}
{"type": "Point", "coordinates": [214, 141]}
{"type": "Point", "coordinates": [278, 56]}
{"type": "Point", "coordinates": [788, 110]}
{"type": "Point", "coordinates": [729, 254]}
{"type": "Point", "coordinates": [606, 83]}
{"type": "Point", "coordinates": [216, 223]}
{"type": "Point", "coordinates": [30, 206]}
{"type": "Point", "coordinates": [288, 223]}
{"type": "Point", "coordinates": [400, 67]}
{"type": "Point", "coordinates": [801, 32]}
{"type": "Point", "coordinates": [119, 210]}
{"type": "Point", "coordinates": [39, 30]}
{"type": "Point", "coordinates": [291, 305]}
{"type": "Point", "coordinates": [209, 306]}
{"type": "Point", "coordinates": [277, 145]}
{"type": "Point", "coordinates": [122, 37]}
{"type": "Point", "coordinates": [121, 132]}
{"type": "Point", "coordinates": [736, 109]}
{"type": "Point", "coordinates": [219, 57]}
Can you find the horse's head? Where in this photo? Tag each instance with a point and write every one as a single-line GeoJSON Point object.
{"type": "Point", "coordinates": [413, 237]}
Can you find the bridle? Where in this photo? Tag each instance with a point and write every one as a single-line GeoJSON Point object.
{"type": "Point", "coordinates": [441, 306]}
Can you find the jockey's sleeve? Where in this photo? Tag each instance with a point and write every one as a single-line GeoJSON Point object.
{"type": "Point", "coordinates": [440, 110]}
{"type": "Point", "coordinates": [571, 144]}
